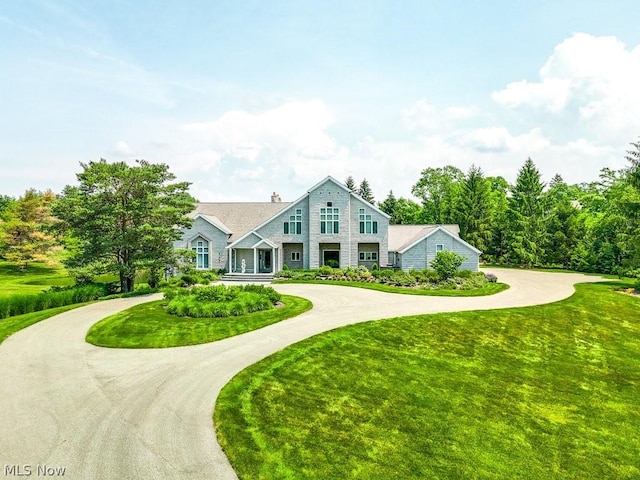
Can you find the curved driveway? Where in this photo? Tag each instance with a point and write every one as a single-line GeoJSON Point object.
{"type": "Point", "coordinates": [146, 414]}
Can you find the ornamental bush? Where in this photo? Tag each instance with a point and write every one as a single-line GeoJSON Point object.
{"type": "Point", "coordinates": [220, 300]}
{"type": "Point", "coordinates": [447, 264]}
{"type": "Point", "coordinates": [54, 297]}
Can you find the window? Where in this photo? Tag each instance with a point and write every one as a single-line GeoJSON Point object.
{"type": "Point", "coordinates": [294, 225]}
{"type": "Point", "coordinates": [202, 255]}
{"type": "Point", "coordinates": [295, 256]}
{"type": "Point", "coordinates": [439, 247]}
{"type": "Point", "coordinates": [366, 224]}
{"type": "Point", "coordinates": [329, 220]}
{"type": "Point", "coordinates": [368, 256]}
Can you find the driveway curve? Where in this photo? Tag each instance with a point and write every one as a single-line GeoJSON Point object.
{"type": "Point", "coordinates": [139, 414]}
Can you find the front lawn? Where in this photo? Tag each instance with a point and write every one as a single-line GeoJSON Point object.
{"type": "Point", "coordinates": [150, 326]}
{"type": "Point", "coordinates": [541, 392]}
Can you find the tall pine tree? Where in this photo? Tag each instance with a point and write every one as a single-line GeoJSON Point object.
{"type": "Point", "coordinates": [526, 215]}
{"type": "Point", "coordinates": [474, 209]}
{"type": "Point", "coordinates": [365, 191]}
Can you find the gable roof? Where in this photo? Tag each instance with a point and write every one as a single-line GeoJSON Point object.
{"type": "Point", "coordinates": [403, 237]}
{"type": "Point", "coordinates": [238, 218]}
{"type": "Point", "coordinates": [346, 189]}
{"type": "Point", "coordinates": [213, 220]}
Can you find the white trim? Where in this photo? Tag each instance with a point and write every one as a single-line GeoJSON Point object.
{"type": "Point", "coordinates": [232, 245]}
{"type": "Point", "coordinates": [440, 228]}
{"type": "Point", "coordinates": [265, 241]}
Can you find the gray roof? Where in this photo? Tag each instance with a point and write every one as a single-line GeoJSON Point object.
{"type": "Point", "coordinates": [401, 236]}
{"type": "Point", "coordinates": [239, 217]}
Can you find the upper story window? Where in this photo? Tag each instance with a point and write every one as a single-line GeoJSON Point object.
{"type": "Point", "coordinates": [366, 224]}
{"type": "Point", "coordinates": [439, 247]}
{"type": "Point", "coordinates": [294, 225]}
{"type": "Point", "coordinates": [202, 254]}
{"type": "Point", "coordinates": [329, 220]}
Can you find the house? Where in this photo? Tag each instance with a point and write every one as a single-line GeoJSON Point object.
{"type": "Point", "coordinates": [328, 225]}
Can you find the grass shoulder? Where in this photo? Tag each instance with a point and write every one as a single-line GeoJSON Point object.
{"type": "Point", "coordinates": [512, 393]}
{"type": "Point", "coordinates": [150, 326]}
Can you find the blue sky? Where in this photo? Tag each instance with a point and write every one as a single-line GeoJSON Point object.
{"type": "Point", "coordinates": [244, 98]}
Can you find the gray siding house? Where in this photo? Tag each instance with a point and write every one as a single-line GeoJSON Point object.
{"type": "Point", "coordinates": [328, 225]}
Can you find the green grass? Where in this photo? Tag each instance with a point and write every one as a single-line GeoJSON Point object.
{"type": "Point", "coordinates": [486, 289]}
{"type": "Point", "coordinates": [11, 325]}
{"type": "Point", "coordinates": [36, 278]}
{"type": "Point", "coordinates": [149, 326]}
{"type": "Point", "coordinates": [543, 392]}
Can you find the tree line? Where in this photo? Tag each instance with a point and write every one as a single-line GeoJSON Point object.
{"type": "Point", "coordinates": [121, 219]}
{"type": "Point", "coordinates": [590, 227]}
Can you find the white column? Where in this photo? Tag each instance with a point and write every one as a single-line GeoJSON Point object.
{"type": "Point", "coordinates": [255, 260]}
{"type": "Point", "coordinates": [230, 264]}
{"type": "Point", "coordinates": [273, 260]}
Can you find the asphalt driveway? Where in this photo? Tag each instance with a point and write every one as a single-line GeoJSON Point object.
{"type": "Point", "coordinates": [145, 414]}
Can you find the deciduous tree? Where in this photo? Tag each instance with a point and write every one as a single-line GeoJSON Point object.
{"type": "Point", "coordinates": [25, 235]}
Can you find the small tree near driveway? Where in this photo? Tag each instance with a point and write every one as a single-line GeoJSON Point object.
{"type": "Point", "coordinates": [447, 263]}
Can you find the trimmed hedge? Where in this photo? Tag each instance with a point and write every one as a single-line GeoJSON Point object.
{"type": "Point", "coordinates": [55, 297]}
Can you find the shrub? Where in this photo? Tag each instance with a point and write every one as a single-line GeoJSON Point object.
{"type": "Point", "coordinates": [325, 270]}
{"type": "Point", "coordinates": [447, 263]}
{"type": "Point", "coordinates": [54, 297]}
{"type": "Point", "coordinates": [220, 301]}
{"type": "Point", "coordinates": [491, 277]}
{"type": "Point", "coordinates": [332, 263]}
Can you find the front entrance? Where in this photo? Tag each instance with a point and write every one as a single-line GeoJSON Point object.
{"type": "Point", "coordinates": [331, 258]}
{"type": "Point", "coordinates": [264, 261]}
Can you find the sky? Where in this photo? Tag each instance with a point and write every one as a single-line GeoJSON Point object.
{"type": "Point", "coordinates": [245, 98]}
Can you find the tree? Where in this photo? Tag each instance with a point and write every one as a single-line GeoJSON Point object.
{"type": "Point", "coordinates": [498, 249]}
{"type": "Point", "coordinates": [526, 210]}
{"type": "Point", "coordinates": [124, 217]}
{"type": "Point", "coordinates": [439, 190]}
{"type": "Point", "coordinates": [474, 209]}
{"type": "Point", "coordinates": [389, 205]}
{"type": "Point", "coordinates": [447, 263]}
{"type": "Point", "coordinates": [350, 184]}
{"type": "Point", "coordinates": [5, 203]}
{"type": "Point", "coordinates": [365, 191]}
{"type": "Point", "coordinates": [25, 233]}
{"type": "Point", "coordinates": [402, 211]}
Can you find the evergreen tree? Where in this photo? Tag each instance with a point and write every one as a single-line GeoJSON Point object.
{"type": "Point", "coordinates": [389, 205]}
{"type": "Point", "coordinates": [125, 217]}
{"type": "Point", "coordinates": [526, 210]}
{"type": "Point", "coordinates": [498, 250]}
{"type": "Point", "coordinates": [350, 184]}
{"type": "Point", "coordinates": [474, 209]}
{"type": "Point", "coordinates": [365, 191]}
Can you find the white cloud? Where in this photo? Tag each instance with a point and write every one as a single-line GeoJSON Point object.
{"type": "Point", "coordinates": [592, 81]}
{"type": "Point", "coordinates": [122, 148]}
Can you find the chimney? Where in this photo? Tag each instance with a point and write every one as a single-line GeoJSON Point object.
{"type": "Point", "coordinates": [275, 198]}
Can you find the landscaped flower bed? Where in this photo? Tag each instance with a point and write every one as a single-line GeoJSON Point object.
{"type": "Point", "coordinates": [415, 279]}
{"type": "Point", "coordinates": [220, 300]}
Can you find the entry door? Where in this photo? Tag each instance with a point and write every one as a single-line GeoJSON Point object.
{"type": "Point", "coordinates": [265, 261]}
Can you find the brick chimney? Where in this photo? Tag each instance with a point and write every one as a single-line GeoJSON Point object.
{"type": "Point", "coordinates": [275, 198]}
